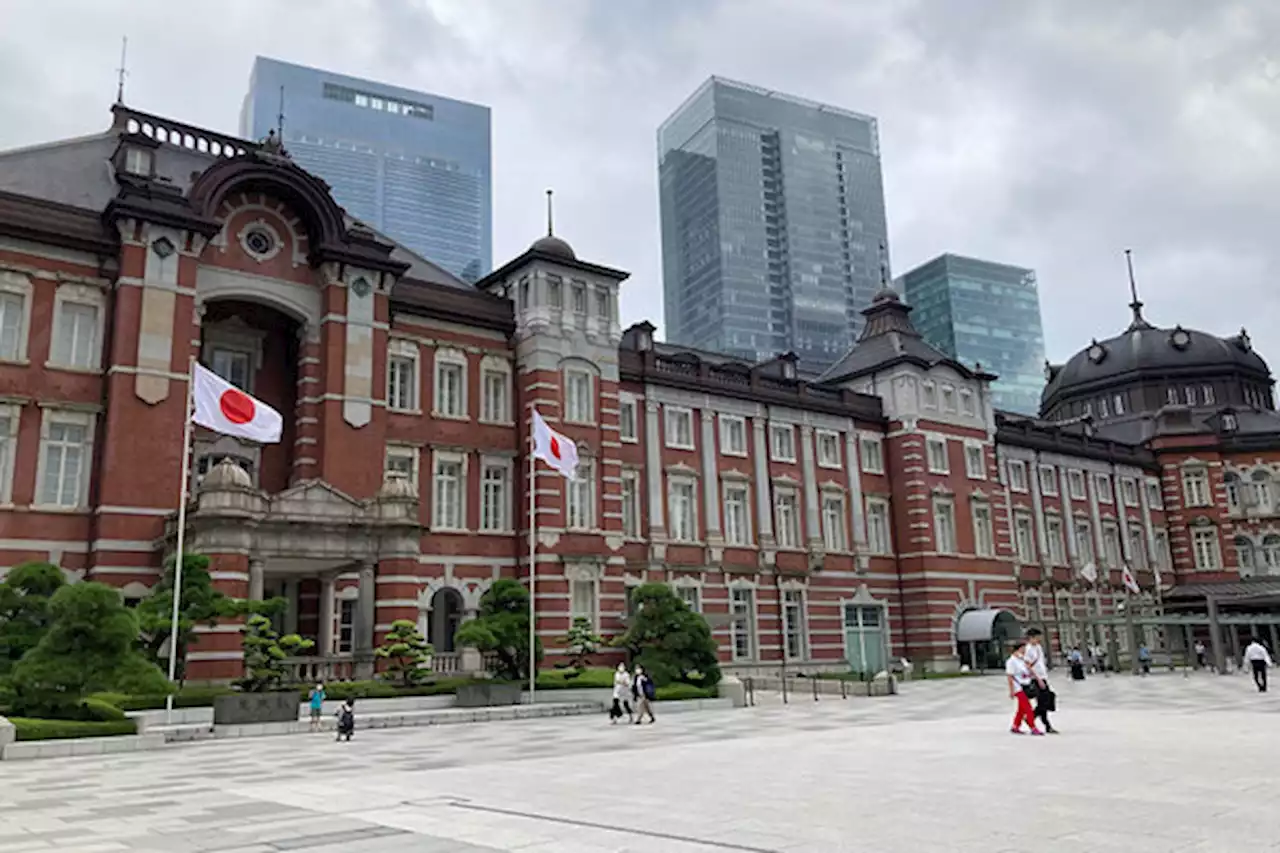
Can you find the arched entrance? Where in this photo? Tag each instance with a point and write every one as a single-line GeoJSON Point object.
{"type": "Point", "coordinates": [446, 616]}
{"type": "Point", "coordinates": [983, 637]}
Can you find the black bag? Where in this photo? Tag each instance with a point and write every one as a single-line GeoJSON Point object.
{"type": "Point", "coordinates": [1032, 689]}
{"type": "Point", "coordinates": [1047, 701]}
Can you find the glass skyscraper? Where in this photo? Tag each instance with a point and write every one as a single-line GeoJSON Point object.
{"type": "Point", "coordinates": [411, 165]}
{"type": "Point", "coordinates": [979, 312]}
{"type": "Point", "coordinates": [772, 222]}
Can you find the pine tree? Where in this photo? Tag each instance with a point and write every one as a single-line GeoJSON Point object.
{"type": "Point", "coordinates": [406, 653]}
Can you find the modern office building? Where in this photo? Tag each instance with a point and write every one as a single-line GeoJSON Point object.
{"type": "Point", "coordinates": [411, 165]}
{"type": "Point", "coordinates": [983, 313]}
{"type": "Point", "coordinates": [772, 223]}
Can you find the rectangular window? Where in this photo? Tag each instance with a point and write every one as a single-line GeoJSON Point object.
{"type": "Point", "coordinates": [1161, 556]}
{"type": "Point", "coordinates": [1195, 487]}
{"type": "Point", "coordinates": [682, 497]}
{"type": "Point", "coordinates": [736, 513]}
{"type": "Point", "coordinates": [9, 416]}
{"type": "Point", "coordinates": [1204, 544]}
{"type": "Point", "coordinates": [65, 458]}
{"type": "Point", "coordinates": [786, 518]}
{"type": "Point", "coordinates": [495, 496]}
{"type": "Point", "coordinates": [742, 623]}
{"type": "Point", "coordinates": [878, 541]}
{"type": "Point", "coordinates": [1137, 548]}
{"type": "Point", "coordinates": [1024, 539]}
{"type": "Point", "coordinates": [12, 316]}
{"type": "Point", "coordinates": [346, 626]}
{"type": "Point", "coordinates": [402, 462]}
{"type": "Point", "coordinates": [833, 523]}
{"type": "Point", "coordinates": [497, 396]}
{"type": "Point", "coordinates": [828, 449]}
{"type": "Point", "coordinates": [627, 430]}
{"type": "Point", "coordinates": [984, 541]}
{"type": "Point", "coordinates": [1084, 542]}
{"type": "Point", "coordinates": [872, 452]}
{"type": "Point", "coordinates": [524, 293]}
{"type": "Point", "coordinates": [975, 462]}
{"type": "Point", "coordinates": [1207, 393]}
{"type": "Point", "coordinates": [602, 304]}
{"type": "Point", "coordinates": [579, 298]}
{"type": "Point", "coordinates": [581, 500]}
{"type": "Point", "coordinates": [782, 442]}
{"type": "Point", "coordinates": [1053, 532]}
{"type": "Point", "coordinates": [944, 526]}
{"type": "Point", "coordinates": [966, 404]}
{"type": "Point", "coordinates": [449, 493]}
{"type": "Point", "coordinates": [451, 378]}
{"type": "Point", "coordinates": [936, 451]}
{"type": "Point", "coordinates": [1048, 480]}
{"type": "Point", "coordinates": [555, 291]}
{"type": "Point", "coordinates": [631, 504]}
{"type": "Point", "coordinates": [793, 627]}
{"type": "Point", "coordinates": [583, 602]}
{"type": "Point", "coordinates": [235, 366]}
{"type": "Point", "coordinates": [579, 401]}
{"type": "Point", "coordinates": [679, 423]}
{"type": "Point", "coordinates": [1129, 491]}
{"type": "Point", "coordinates": [1102, 487]}
{"type": "Point", "coordinates": [929, 393]}
{"type": "Point", "coordinates": [691, 596]}
{"type": "Point", "coordinates": [733, 435]}
{"type": "Point", "coordinates": [1075, 485]}
{"type": "Point", "coordinates": [1154, 498]}
{"type": "Point", "coordinates": [75, 343]}
{"type": "Point", "coordinates": [1111, 546]}
{"type": "Point", "coordinates": [1017, 475]}
{"type": "Point", "coordinates": [948, 399]}
{"type": "Point", "coordinates": [402, 381]}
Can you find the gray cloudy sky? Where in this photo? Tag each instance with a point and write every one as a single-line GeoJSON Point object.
{"type": "Point", "coordinates": [1037, 132]}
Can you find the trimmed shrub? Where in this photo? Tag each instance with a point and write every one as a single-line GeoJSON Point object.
{"type": "Point", "coordinates": [679, 692]}
{"type": "Point", "coordinates": [341, 690]}
{"type": "Point", "coordinates": [97, 711]}
{"type": "Point", "coordinates": [672, 643]}
{"type": "Point", "coordinates": [26, 728]}
{"type": "Point", "coordinates": [187, 697]}
{"type": "Point", "coordinates": [501, 628]}
{"type": "Point", "coordinates": [573, 679]}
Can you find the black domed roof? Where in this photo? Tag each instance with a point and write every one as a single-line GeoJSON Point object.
{"type": "Point", "coordinates": [552, 245]}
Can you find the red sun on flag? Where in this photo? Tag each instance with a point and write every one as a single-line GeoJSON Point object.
{"type": "Point", "coordinates": [555, 447]}
{"type": "Point", "coordinates": [236, 406]}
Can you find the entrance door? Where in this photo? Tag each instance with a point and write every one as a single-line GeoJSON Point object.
{"type": "Point", "coordinates": [446, 615]}
{"type": "Point", "coordinates": [864, 638]}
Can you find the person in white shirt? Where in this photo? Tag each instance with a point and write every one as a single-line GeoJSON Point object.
{"type": "Point", "coordinates": [1259, 659]}
{"type": "Point", "coordinates": [1019, 675]}
{"type": "Point", "coordinates": [1046, 700]}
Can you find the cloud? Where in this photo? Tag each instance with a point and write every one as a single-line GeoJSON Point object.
{"type": "Point", "coordinates": [1034, 132]}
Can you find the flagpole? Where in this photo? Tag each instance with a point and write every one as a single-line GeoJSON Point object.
{"type": "Point", "coordinates": [533, 568]}
{"type": "Point", "coordinates": [182, 531]}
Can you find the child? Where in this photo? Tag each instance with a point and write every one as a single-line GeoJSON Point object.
{"type": "Point", "coordinates": [347, 719]}
{"type": "Point", "coordinates": [1019, 677]}
{"type": "Point", "coordinates": [317, 704]}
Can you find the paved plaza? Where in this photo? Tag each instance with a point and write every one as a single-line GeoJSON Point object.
{"type": "Point", "coordinates": [1158, 764]}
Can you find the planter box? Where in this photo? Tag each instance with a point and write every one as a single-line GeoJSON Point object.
{"type": "Point", "coordinates": [486, 695]}
{"type": "Point", "coordinates": [242, 708]}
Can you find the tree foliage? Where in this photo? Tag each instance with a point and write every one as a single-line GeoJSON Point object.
{"type": "Point", "coordinates": [264, 655]}
{"type": "Point", "coordinates": [200, 604]}
{"type": "Point", "coordinates": [582, 642]}
{"type": "Point", "coordinates": [24, 609]}
{"type": "Point", "coordinates": [88, 648]}
{"type": "Point", "coordinates": [671, 642]}
{"type": "Point", "coordinates": [501, 628]}
{"type": "Point", "coordinates": [406, 653]}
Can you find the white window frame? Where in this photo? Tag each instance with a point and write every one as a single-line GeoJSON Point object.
{"type": "Point", "coordinates": [1086, 550]}
{"type": "Point", "coordinates": [1161, 557]}
{"type": "Point", "coordinates": [727, 423]}
{"type": "Point", "coordinates": [627, 402]}
{"type": "Point", "coordinates": [495, 410]}
{"type": "Point", "coordinates": [592, 588]}
{"type": "Point", "coordinates": [951, 544]}
{"type": "Point", "coordinates": [1053, 533]}
{"type": "Point", "coordinates": [403, 352]}
{"type": "Point", "coordinates": [1048, 480]}
{"type": "Point", "coordinates": [579, 396]}
{"type": "Point", "coordinates": [580, 498]}
{"type": "Point", "coordinates": [503, 505]}
{"type": "Point", "coordinates": [450, 358]}
{"type": "Point", "coordinates": [1112, 545]}
{"type": "Point", "coordinates": [18, 286]}
{"type": "Point", "coordinates": [1129, 492]}
{"type": "Point", "coordinates": [631, 514]}
{"type": "Point", "coordinates": [874, 507]}
{"type": "Point", "coordinates": [928, 395]}
{"type": "Point", "coordinates": [778, 450]}
{"type": "Point", "coordinates": [1103, 488]}
{"type": "Point", "coordinates": [835, 525]}
{"type": "Point", "coordinates": [967, 406]}
{"type": "Point", "coordinates": [975, 468]}
{"type": "Point", "coordinates": [937, 460]}
{"type": "Point", "coordinates": [1155, 494]}
{"type": "Point", "coordinates": [873, 462]}
{"type": "Point", "coordinates": [739, 538]}
{"type": "Point", "coordinates": [790, 497]}
{"type": "Point", "coordinates": [1024, 538]}
{"type": "Point", "coordinates": [403, 451]}
{"type": "Point", "coordinates": [831, 459]}
{"type": "Point", "coordinates": [746, 615]}
{"type": "Point", "coordinates": [1018, 476]}
{"type": "Point", "coordinates": [438, 520]}
{"type": "Point", "coordinates": [949, 399]}
{"type": "Point", "coordinates": [1137, 547]}
{"type": "Point", "coordinates": [1205, 548]}
{"type": "Point", "coordinates": [83, 295]}
{"type": "Point", "coordinates": [682, 526]}
{"type": "Point", "coordinates": [1195, 486]}
{"type": "Point", "coordinates": [1076, 484]}
{"type": "Point", "coordinates": [578, 297]}
{"type": "Point", "coordinates": [984, 533]}
{"type": "Point", "coordinates": [50, 417]}
{"type": "Point", "coordinates": [9, 450]}
{"type": "Point", "coordinates": [672, 418]}
{"type": "Point", "coordinates": [691, 595]}
{"type": "Point", "coordinates": [795, 600]}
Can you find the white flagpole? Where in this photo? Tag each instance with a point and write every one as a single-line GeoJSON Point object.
{"type": "Point", "coordinates": [182, 531]}
{"type": "Point", "coordinates": [533, 568]}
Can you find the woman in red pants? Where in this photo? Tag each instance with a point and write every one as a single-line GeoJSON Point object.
{"type": "Point", "coordinates": [1019, 678]}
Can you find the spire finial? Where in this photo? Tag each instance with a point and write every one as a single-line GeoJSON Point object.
{"type": "Point", "coordinates": [550, 230]}
{"type": "Point", "coordinates": [1139, 322]}
{"type": "Point", "coordinates": [122, 71]}
{"type": "Point", "coordinates": [884, 266]}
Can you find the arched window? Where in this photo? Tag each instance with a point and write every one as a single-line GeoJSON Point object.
{"type": "Point", "coordinates": [1271, 554]}
{"type": "Point", "coordinates": [1233, 491]}
{"type": "Point", "coordinates": [1262, 491]}
{"type": "Point", "coordinates": [1244, 556]}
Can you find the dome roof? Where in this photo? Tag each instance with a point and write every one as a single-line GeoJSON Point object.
{"type": "Point", "coordinates": [227, 474]}
{"type": "Point", "coordinates": [552, 245]}
{"type": "Point", "coordinates": [397, 487]}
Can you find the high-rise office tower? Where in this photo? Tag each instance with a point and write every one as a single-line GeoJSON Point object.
{"type": "Point", "coordinates": [772, 223]}
{"type": "Point", "coordinates": [979, 312]}
{"type": "Point", "coordinates": [411, 165]}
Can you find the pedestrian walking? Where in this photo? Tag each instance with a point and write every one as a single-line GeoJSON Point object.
{"type": "Point", "coordinates": [316, 701]}
{"type": "Point", "coordinates": [644, 691]}
{"type": "Point", "coordinates": [1200, 655]}
{"type": "Point", "coordinates": [1019, 676]}
{"type": "Point", "coordinates": [1144, 659]}
{"type": "Point", "coordinates": [1259, 660]}
{"type": "Point", "coordinates": [1034, 657]}
{"type": "Point", "coordinates": [347, 719]}
{"type": "Point", "coordinates": [621, 695]}
{"type": "Point", "coordinates": [1077, 664]}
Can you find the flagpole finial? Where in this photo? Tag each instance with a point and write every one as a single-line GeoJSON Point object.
{"type": "Point", "coordinates": [1135, 304]}
{"type": "Point", "coordinates": [550, 230]}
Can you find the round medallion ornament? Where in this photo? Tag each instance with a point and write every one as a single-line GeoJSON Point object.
{"type": "Point", "coordinates": [1097, 352]}
{"type": "Point", "coordinates": [361, 287]}
{"type": "Point", "coordinates": [1181, 338]}
{"type": "Point", "coordinates": [260, 241]}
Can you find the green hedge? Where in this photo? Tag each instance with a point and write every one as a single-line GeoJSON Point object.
{"type": "Point", "coordinates": [340, 690]}
{"type": "Point", "coordinates": [188, 697]}
{"type": "Point", "coordinates": [29, 729]}
{"type": "Point", "coordinates": [680, 692]}
{"type": "Point", "coordinates": [592, 678]}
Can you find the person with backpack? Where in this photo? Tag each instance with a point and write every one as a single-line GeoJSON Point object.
{"type": "Point", "coordinates": [645, 692]}
{"type": "Point", "coordinates": [347, 719]}
{"type": "Point", "coordinates": [621, 695]}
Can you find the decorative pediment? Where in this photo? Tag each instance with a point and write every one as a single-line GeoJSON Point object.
{"type": "Point", "coordinates": [583, 569]}
{"type": "Point", "coordinates": [316, 499]}
{"type": "Point", "coordinates": [680, 469]}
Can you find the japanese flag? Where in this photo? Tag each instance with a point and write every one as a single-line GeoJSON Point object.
{"type": "Point", "coordinates": [1130, 582]}
{"type": "Point", "coordinates": [224, 408]}
{"type": "Point", "coordinates": [1089, 572]}
{"type": "Point", "coordinates": [553, 448]}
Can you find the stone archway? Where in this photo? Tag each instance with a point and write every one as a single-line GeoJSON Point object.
{"type": "Point", "coordinates": [446, 614]}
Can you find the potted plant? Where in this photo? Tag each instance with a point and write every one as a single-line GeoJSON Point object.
{"type": "Point", "coordinates": [262, 696]}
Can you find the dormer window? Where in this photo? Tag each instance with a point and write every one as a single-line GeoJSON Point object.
{"type": "Point", "coordinates": [1181, 338]}
{"type": "Point", "coordinates": [788, 370]}
{"type": "Point", "coordinates": [602, 303]}
{"type": "Point", "coordinates": [138, 161]}
{"type": "Point", "coordinates": [579, 298]}
{"type": "Point", "coordinates": [1229, 423]}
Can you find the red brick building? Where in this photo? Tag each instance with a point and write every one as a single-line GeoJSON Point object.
{"type": "Point", "coordinates": [884, 509]}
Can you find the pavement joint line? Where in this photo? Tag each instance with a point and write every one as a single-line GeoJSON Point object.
{"type": "Point", "coordinates": [586, 824]}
